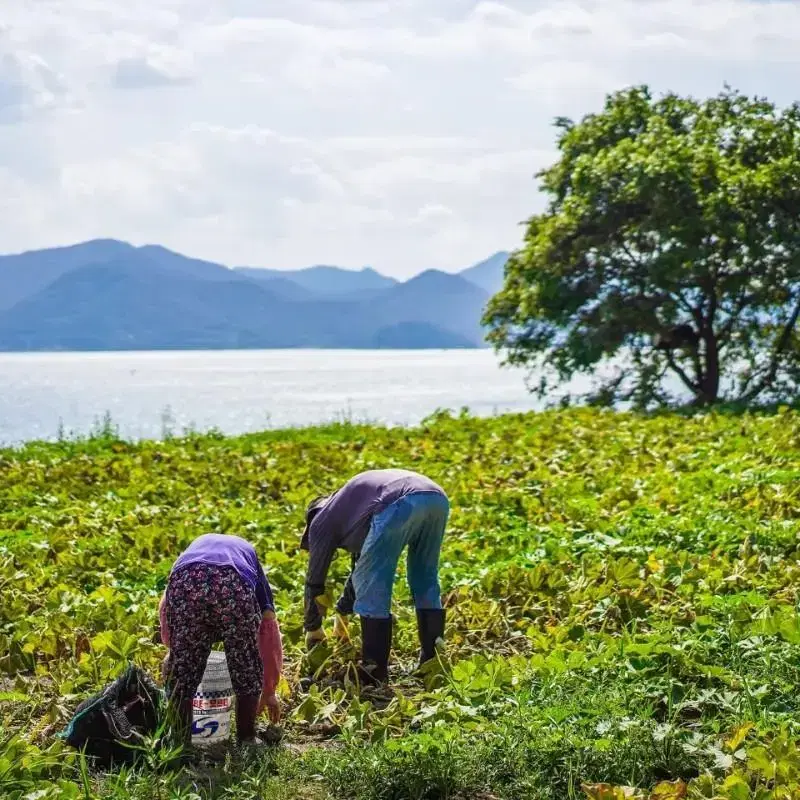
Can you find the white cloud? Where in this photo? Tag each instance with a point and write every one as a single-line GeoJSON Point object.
{"type": "Point", "coordinates": [27, 85]}
{"type": "Point", "coordinates": [161, 66]}
{"type": "Point", "coordinates": [402, 134]}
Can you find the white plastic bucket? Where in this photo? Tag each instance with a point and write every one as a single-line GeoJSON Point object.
{"type": "Point", "coordinates": [213, 703]}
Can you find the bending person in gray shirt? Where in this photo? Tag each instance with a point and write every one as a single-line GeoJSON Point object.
{"type": "Point", "coordinates": [374, 516]}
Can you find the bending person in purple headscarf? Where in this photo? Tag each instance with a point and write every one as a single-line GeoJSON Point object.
{"type": "Point", "coordinates": [217, 591]}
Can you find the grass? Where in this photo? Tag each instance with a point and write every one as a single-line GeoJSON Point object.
{"type": "Point", "coordinates": [622, 595]}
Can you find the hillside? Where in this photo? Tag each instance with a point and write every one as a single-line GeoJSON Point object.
{"type": "Point", "coordinates": [109, 295]}
{"type": "Point", "coordinates": [621, 594]}
{"type": "Point", "coordinates": [418, 336]}
{"type": "Point", "coordinates": [27, 273]}
{"type": "Point", "coordinates": [116, 306]}
{"type": "Point", "coordinates": [324, 280]}
{"type": "Point", "coordinates": [488, 274]}
{"type": "Point", "coordinates": [448, 301]}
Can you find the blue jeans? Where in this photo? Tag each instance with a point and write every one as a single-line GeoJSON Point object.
{"type": "Point", "coordinates": [417, 521]}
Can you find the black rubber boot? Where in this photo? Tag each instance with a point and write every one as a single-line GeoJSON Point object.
{"type": "Point", "coordinates": [376, 642]}
{"type": "Point", "coordinates": [430, 626]}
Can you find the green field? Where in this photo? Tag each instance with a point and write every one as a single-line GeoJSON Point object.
{"type": "Point", "coordinates": [622, 595]}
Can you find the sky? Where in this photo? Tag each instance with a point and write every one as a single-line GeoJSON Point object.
{"type": "Point", "coordinates": [402, 135]}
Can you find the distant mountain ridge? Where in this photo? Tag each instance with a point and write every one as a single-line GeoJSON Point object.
{"type": "Point", "coordinates": [323, 280]}
{"type": "Point", "coordinates": [110, 295]}
{"type": "Point", "coordinates": [488, 274]}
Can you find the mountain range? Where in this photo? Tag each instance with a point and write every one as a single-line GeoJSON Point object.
{"type": "Point", "coordinates": [110, 295]}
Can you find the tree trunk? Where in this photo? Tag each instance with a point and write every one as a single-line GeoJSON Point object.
{"type": "Point", "coordinates": [709, 388]}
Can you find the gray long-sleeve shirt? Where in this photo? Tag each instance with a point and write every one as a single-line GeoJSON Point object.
{"type": "Point", "coordinates": [344, 522]}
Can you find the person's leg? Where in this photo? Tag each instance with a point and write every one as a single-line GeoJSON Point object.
{"type": "Point", "coordinates": [190, 644]}
{"type": "Point", "coordinates": [239, 620]}
{"type": "Point", "coordinates": [374, 573]}
{"type": "Point", "coordinates": [246, 714]}
{"type": "Point", "coordinates": [431, 514]}
{"type": "Point", "coordinates": [373, 580]}
{"type": "Point", "coordinates": [376, 646]}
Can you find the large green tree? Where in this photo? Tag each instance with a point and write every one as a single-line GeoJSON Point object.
{"type": "Point", "coordinates": [668, 255]}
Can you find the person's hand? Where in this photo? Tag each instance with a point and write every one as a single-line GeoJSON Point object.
{"type": "Point", "coordinates": [313, 638]}
{"type": "Point", "coordinates": [340, 628]}
{"type": "Point", "coordinates": [273, 706]}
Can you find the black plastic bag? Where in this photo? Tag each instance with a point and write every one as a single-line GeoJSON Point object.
{"type": "Point", "coordinates": [110, 726]}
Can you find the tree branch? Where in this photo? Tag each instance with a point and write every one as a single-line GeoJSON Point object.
{"type": "Point", "coordinates": [727, 328]}
{"type": "Point", "coordinates": [631, 256]}
{"type": "Point", "coordinates": [713, 303]}
{"type": "Point", "coordinates": [777, 351]}
{"type": "Point", "coordinates": [687, 306]}
{"type": "Point", "coordinates": [681, 373]}
{"type": "Point", "coordinates": [745, 385]}
{"type": "Point", "coordinates": [697, 316]}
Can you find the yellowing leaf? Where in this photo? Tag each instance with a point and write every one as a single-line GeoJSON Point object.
{"type": "Point", "coordinates": [607, 791]}
{"type": "Point", "coordinates": [738, 736]}
{"type": "Point", "coordinates": [736, 788]}
{"type": "Point", "coordinates": [653, 564]}
{"type": "Point", "coordinates": [668, 790]}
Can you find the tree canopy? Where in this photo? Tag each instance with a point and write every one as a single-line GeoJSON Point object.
{"type": "Point", "coordinates": [668, 254]}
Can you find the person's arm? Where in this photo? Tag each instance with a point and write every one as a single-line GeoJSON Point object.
{"type": "Point", "coordinates": [319, 561]}
{"type": "Point", "coordinates": [270, 648]}
{"type": "Point", "coordinates": [162, 620]}
{"type": "Point", "coordinates": [264, 596]}
{"type": "Point", "coordinates": [344, 605]}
